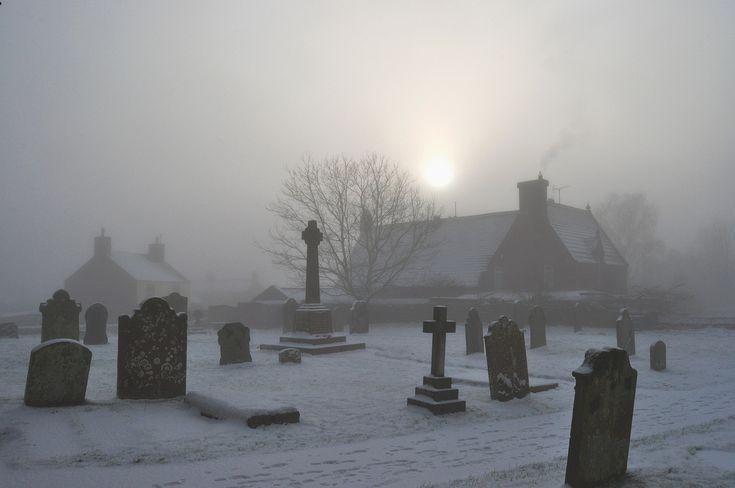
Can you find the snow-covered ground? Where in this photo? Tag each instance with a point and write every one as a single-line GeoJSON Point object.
{"type": "Point", "coordinates": [356, 429]}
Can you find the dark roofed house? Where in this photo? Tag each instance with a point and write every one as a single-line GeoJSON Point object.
{"type": "Point", "coordinates": [123, 280]}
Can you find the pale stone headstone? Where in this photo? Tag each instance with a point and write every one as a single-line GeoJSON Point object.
{"type": "Point", "coordinates": [95, 324]}
{"type": "Point", "coordinates": [178, 302]}
{"type": "Point", "coordinates": [359, 318]}
{"type": "Point", "coordinates": [60, 317]}
{"type": "Point", "coordinates": [625, 333]}
{"type": "Point", "coordinates": [658, 356]}
{"type": "Point", "coordinates": [151, 352]}
{"type": "Point", "coordinates": [507, 366]}
{"type": "Point", "coordinates": [289, 356]}
{"type": "Point", "coordinates": [289, 309]}
{"type": "Point", "coordinates": [57, 374]}
{"type": "Point", "coordinates": [8, 330]}
{"type": "Point", "coordinates": [602, 418]}
{"type": "Point", "coordinates": [537, 324]}
{"type": "Point", "coordinates": [473, 332]}
{"type": "Point", "coordinates": [234, 343]}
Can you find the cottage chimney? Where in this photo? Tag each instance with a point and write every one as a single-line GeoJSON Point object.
{"type": "Point", "coordinates": [532, 197]}
{"type": "Point", "coordinates": [156, 251]}
{"type": "Point", "coordinates": [102, 245]}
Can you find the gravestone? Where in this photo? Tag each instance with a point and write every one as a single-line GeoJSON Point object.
{"type": "Point", "coordinates": [359, 318]}
{"type": "Point", "coordinates": [57, 374]}
{"type": "Point", "coordinates": [234, 343]}
{"type": "Point", "coordinates": [151, 352]}
{"type": "Point", "coordinates": [658, 356]}
{"type": "Point", "coordinates": [289, 309]}
{"type": "Point", "coordinates": [60, 317]}
{"type": "Point", "coordinates": [289, 356]}
{"type": "Point", "coordinates": [178, 302]}
{"type": "Point", "coordinates": [8, 330]}
{"type": "Point", "coordinates": [95, 324]}
{"type": "Point", "coordinates": [507, 367]}
{"type": "Point", "coordinates": [537, 324]}
{"type": "Point", "coordinates": [575, 317]}
{"type": "Point", "coordinates": [625, 333]}
{"type": "Point", "coordinates": [436, 394]}
{"type": "Point", "coordinates": [604, 395]}
{"type": "Point", "coordinates": [473, 332]}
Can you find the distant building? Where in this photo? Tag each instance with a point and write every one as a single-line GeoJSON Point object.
{"type": "Point", "coordinates": [123, 280]}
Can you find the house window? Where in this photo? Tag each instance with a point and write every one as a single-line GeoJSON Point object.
{"type": "Point", "coordinates": [498, 278]}
{"type": "Point", "coordinates": [548, 277]}
{"type": "Point", "coordinates": [150, 290]}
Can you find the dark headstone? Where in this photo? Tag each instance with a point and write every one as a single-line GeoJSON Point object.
{"type": "Point", "coordinates": [60, 317]}
{"type": "Point", "coordinates": [359, 318]}
{"type": "Point", "coordinates": [8, 330]}
{"type": "Point", "coordinates": [151, 352]}
{"type": "Point", "coordinates": [625, 333]}
{"type": "Point", "coordinates": [289, 309]}
{"type": "Point", "coordinates": [658, 356]}
{"type": "Point", "coordinates": [473, 332]}
{"type": "Point", "coordinates": [289, 356]}
{"type": "Point", "coordinates": [507, 367]}
{"type": "Point", "coordinates": [576, 321]}
{"type": "Point", "coordinates": [537, 324]}
{"type": "Point", "coordinates": [234, 343]}
{"type": "Point", "coordinates": [95, 324]}
{"type": "Point", "coordinates": [178, 302]}
{"type": "Point", "coordinates": [57, 374]}
{"type": "Point", "coordinates": [436, 394]}
{"type": "Point", "coordinates": [601, 421]}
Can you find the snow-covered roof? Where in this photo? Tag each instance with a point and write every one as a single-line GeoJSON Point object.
{"type": "Point", "coordinates": [578, 230]}
{"type": "Point", "coordinates": [143, 268]}
{"type": "Point", "coordinates": [459, 251]}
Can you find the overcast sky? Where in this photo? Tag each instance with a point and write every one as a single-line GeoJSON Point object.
{"type": "Point", "coordinates": [177, 118]}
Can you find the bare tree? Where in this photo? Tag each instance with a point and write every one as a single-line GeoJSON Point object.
{"type": "Point", "coordinates": [372, 214]}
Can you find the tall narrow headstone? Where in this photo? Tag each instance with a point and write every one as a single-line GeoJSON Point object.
{"type": "Point", "coordinates": [151, 352]}
{"type": "Point", "coordinates": [234, 343]}
{"type": "Point", "coordinates": [625, 333]}
{"type": "Point", "coordinates": [95, 324]}
{"type": "Point", "coordinates": [473, 332]}
{"type": "Point", "coordinates": [359, 318]}
{"type": "Point", "coordinates": [602, 418]}
{"type": "Point", "coordinates": [507, 366]}
{"type": "Point", "coordinates": [60, 317]}
{"type": "Point", "coordinates": [57, 374]}
{"type": "Point", "coordinates": [436, 394]}
{"type": "Point", "coordinates": [178, 302]}
{"type": "Point", "coordinates": [537, 324]}
{"type": "Point", "coordinates": [658, 356]}
{"type": "Point", "coordinates": [289, 309]}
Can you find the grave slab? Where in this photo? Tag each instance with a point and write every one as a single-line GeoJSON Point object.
{"type": "Point", "coordinates": [254, 412]}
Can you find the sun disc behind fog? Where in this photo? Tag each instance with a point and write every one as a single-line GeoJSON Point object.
{"type": "Point", "coordinates": [439, 172]}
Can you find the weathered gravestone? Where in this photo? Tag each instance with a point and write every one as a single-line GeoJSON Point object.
{"type": "Point", "coordinates": [625, 333]}
{"type": "Point", "coordinates": [289, 310]}
{"type": "Point", "coordinates": [507, 367]}
{"type": "Point", "coordinates": [359, 318]}
{"type": "Point", "coordinates": [95, 324]}
{"type": "Point", "coordinates": [473, 332]}
{"type": "Point", "coordinates": [8, 330]}
{"type": "Point", "coordinates": [537, 324]}
{"type": "Point", "coordinates": [658, 356]}
{"type": "Point", "coordinates": [234, 343]}
{"type": "Point", "coordinates": [289, 356]}
{"type": "Point", "coordinates": [602, 418]}
{"type": "Point", "coordinates": [178, 302]}
{"type": "Point", "coordinates": [436, 394]}
{"type": "Point", "coordinates": [151, 352]}
{"type": "Point", "coordinates": [57, 374]}
{"type": "Point", "coordinates": [60, 317]}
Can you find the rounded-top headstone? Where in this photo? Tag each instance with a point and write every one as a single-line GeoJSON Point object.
{"type": "Point", "coordinates": [61, 295]}
{"type": "Point", "coordinates": [234, 343]}
{"type": "Point", "coordinates": [57, 374]}
{"type": "Point", "coordinates": [95, 319]}
{"type": "Point", "coordinates": [289, 356]}
{"type": "Point", "coordinates": [658, 356]}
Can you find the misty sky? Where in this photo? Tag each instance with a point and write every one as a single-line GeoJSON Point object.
{"type": "Point", "coordinates": [177, 118]}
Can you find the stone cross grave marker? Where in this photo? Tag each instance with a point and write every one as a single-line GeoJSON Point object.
{"type": "Point", "coordinates": [658, 356]}
{"type": "Point", "coordinates": [604, 395]}
{"type": "Point", "coordinates": [234, 343]}
{"type": "Point", "coordinates": [436, 394]}
{"type": "Point", "coordinates": [359, 318]}
{"type": "Point", "coordinates": [625, 333]}
{"type": "Point", "coordinates": [57, 374]}
{"type": "Point", "coordinates": [312, 236]}
{"type": "Point", "coordinates": [95, 324]}
{"type": "Point", "coordinates": [537, 324]}
{"type": "Point", "coordinates": [473, 332]}
{"type": "Point", "coordinates": [151, 352]}
{"type": "Point", "coordinates": [60, 317]}
{"type": "Point", "coordinates": [507, 367]}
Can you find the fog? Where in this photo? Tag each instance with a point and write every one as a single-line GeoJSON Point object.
{"type": "Point", "coordinates": [178, 118]}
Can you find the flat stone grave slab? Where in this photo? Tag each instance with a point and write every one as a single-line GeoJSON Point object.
{"type": "Point", "coordinates": [478, 377]}
{"type": "Point", "coordinates": [314, 344]}
{"type": "Point", "coordinates": [255, 412]}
